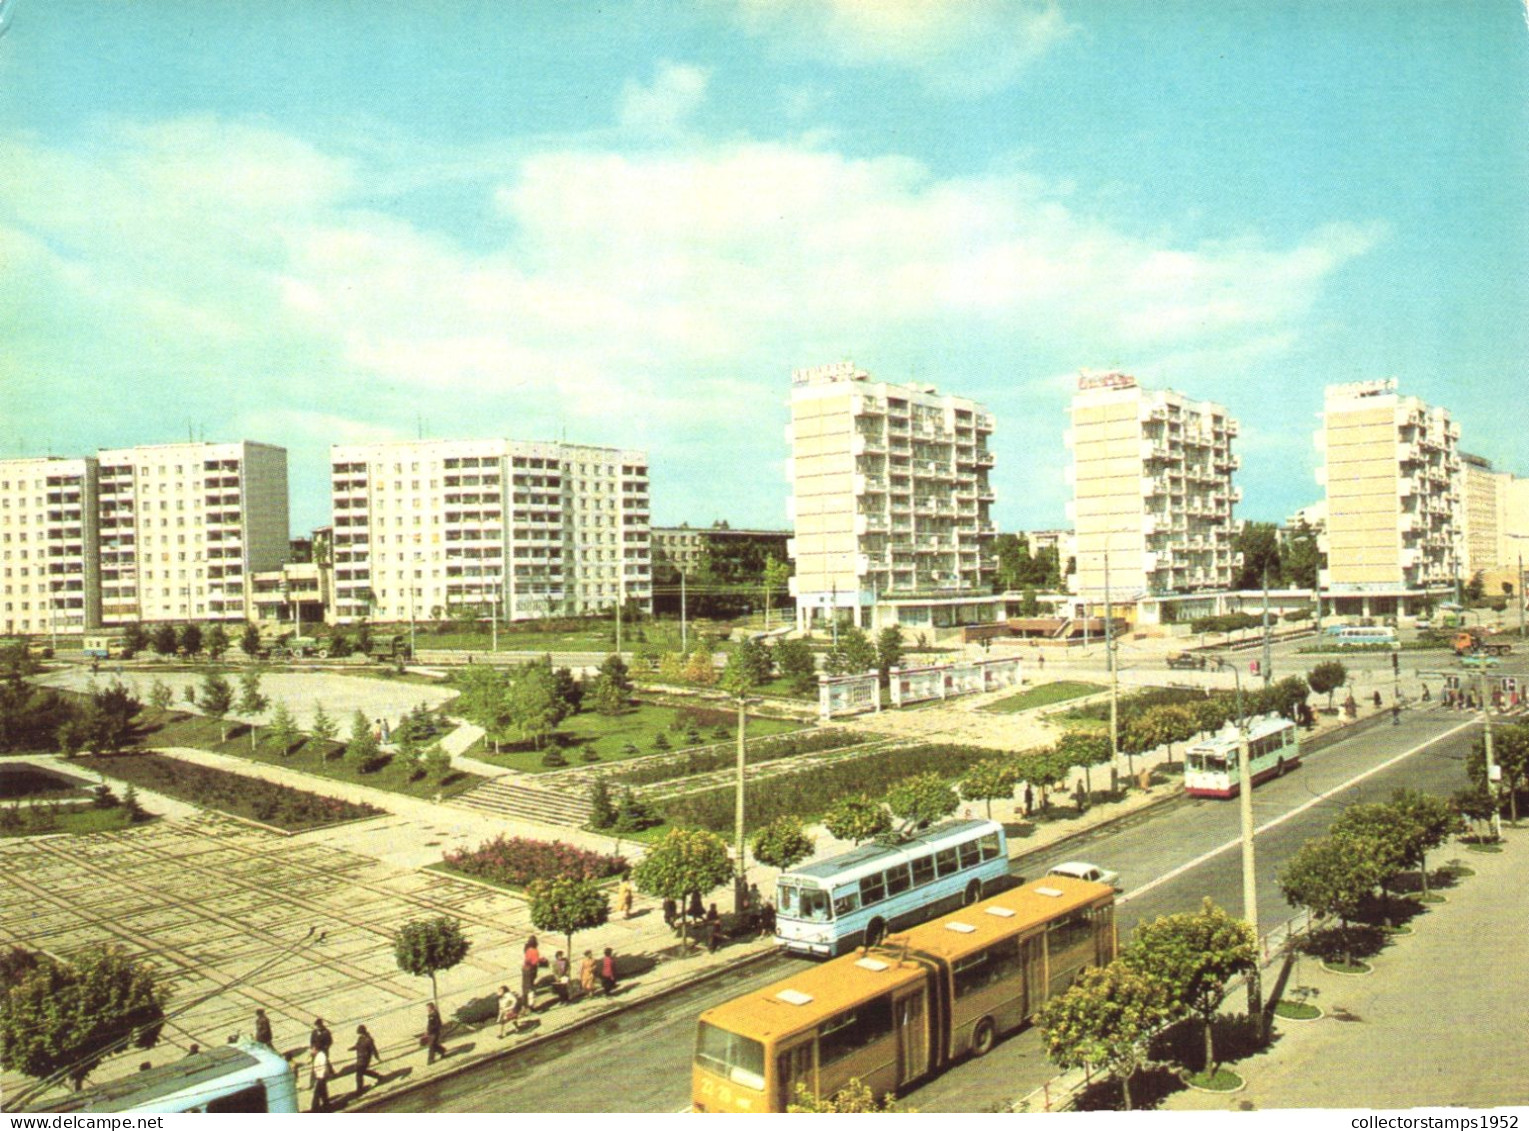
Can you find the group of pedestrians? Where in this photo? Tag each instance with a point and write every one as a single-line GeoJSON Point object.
{"type": "Point", "coordinates": [756, 915]}
{"type": "Point", "coordinates": [593, 972]}
{"type": "Point", "coordinates": [320, 1042]}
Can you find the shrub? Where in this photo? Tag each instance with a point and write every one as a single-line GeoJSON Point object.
{"type": "Point", "coordinates": [767, 749]}
{"type": "Point", "coordinates": [517, 861]}
{"type": "Point", "coordinates": [554, 758]}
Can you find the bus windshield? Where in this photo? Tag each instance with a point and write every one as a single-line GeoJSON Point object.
{"type": "Point", "coordinates": [804, 903]}
{"type": "Point", "coordinates": [1212, 763]}
{"type": "Point", "coordinates": [735, 1058]}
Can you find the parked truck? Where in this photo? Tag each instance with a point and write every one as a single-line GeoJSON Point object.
{"type": "Point", "coordinates": [1474, 641]}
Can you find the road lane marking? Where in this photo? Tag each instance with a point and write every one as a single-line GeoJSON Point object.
{"type": "Point", "coordinates": [1236, 842]}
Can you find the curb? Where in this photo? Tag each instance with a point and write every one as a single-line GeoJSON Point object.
{"type": "Point", "coordinates": [466, 1066]}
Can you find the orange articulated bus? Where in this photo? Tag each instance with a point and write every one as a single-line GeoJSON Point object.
{"type": "Point", "coordinates": [892, 1014]}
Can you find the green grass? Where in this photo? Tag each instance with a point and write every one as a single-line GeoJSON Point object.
{"type": "Point", "coordinates": [1296, 1010]}
{"type": "Point", "coordinates": [1043, 695]}
{"type": "Point", "coordinates": [661, 635]}
{"type": "Point", "coordinates": [1339, 967]}
{"type": "Point", "coordinates": [610, 734]}
{"type": "Point", "coordinates": [73, 822]}
{"type": "Point", "coordinates": [201, 733]}
{"type": "Point", "coordinates": [1224, 1080]}
{"type": "Point", "coordinates": [1483, 848]}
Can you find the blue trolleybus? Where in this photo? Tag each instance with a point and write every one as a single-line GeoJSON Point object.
{"type": "Point", "coordinates": [246, 1077]}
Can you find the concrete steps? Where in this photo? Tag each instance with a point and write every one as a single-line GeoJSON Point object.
{"type": "Point", "coordinates": [513, 798]}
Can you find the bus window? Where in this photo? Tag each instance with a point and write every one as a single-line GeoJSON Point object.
{"type": "Point", "coordinates": [945, 862]}
{"type": "Point", "coordinates": [846, 902]}
{"type": "Point", "coordinates": [788, 900]}
{"type": "Point", "coordinates": [735, 1058]}
{"type": "Point", "coordinates": [923, 871]}
{"type": "Point", "coordinates": [989, 845]}
{"type": "Point", "coordinates": [246, 1100]}
{"type": "Point", "coordinates": [995, 964]}
{"type": "Point", "coordinates": [872, 890]}
{"type": "Point", "coordinates": [854, 1029]}
{"type": "Point", "coordinates": [971, 855]}
{"type": "Point", "coordinates": [814, 905]}
{"type": "Point", "coordinates": [898, 880]}
{"type": "Point", "coordinates": [1068, 932]}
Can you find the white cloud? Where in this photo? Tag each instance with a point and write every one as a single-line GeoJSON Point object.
{"type": "Point", "coordinates": [967, 48]}
{"type": "Point", "coordinates": [662, 106]}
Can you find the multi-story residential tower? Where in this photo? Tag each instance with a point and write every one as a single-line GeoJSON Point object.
{"type": "Point", "coordinates": [48, 562]}
{"type": "Point", "coordinates": [1483, 511]}
{"type": "Point", "coordinates": [426, 528]}
{"type": "Point", "coordinates": [1392, 474]}
{"type": "Point", "coordinates": [889, 492]}
{"type": "Point", "coordinates": [184, 525]}
{"type": "Point", "coordinates": [1152, 488]}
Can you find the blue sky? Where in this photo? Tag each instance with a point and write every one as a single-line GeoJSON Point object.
{"type": "Point", "coordinates": [311, 223]}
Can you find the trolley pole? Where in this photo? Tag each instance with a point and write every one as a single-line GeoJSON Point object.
{"type": "Point", "coordinates": [1109, 655]}
{"type": "Point", "coordinates": [1491, 766]}
{"type": "Point", "coordinates": [1268, 664]}
{"type": "Point", "coordinates": [1249, 860]}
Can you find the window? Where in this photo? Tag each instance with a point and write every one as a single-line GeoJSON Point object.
{"type": "Point", "coordinates": [735, 1058]}
{"type": "Point", "coordinates": [854, 1029]}
{"type": "Point", "coordinates": [1069, 932]}
{"type": "Point", "coordinates": [873, 889]}
{"type": "Point", "coordinates": [846, 902]}
{"type": "Point", "coordinates": [971, 855]}
{"type": "Point", "coordinates": [898, 880]}
{"type": "Point", "coordinates": [923, 871]}
{"type": "Point", "coordinates": [989, 845]}
{"type": "Point", "coordinates": [246, 1100]}
{"type": "Point", "coordinates": [945, 862]}
{"type": "Point", "coordinates": [997, 963]}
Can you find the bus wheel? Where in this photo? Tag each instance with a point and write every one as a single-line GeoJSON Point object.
{"type": "Point", "coordinates": [983, 1037]}
{"type": "Point", "coordinates": [875, 933]}
{"type": "Point", "coordinates": [973, 893]}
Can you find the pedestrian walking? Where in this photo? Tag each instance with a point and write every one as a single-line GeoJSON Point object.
{"type": "Point", "coordinates": [766, 918]}
{"type": "Point", "coordinates": [695, 910]}
{"type": "Point", "coordinates": [509, 1010]}
{"type": "Point", "coordinates": [263, 1029]}
{"type": "Point", "coordinates": [608, 972]}
{"type": "Point", "coordinates": [562, 983]}
{"type": "Point", "coordinates": [587, 973]}
{"type": "Point", "coordinates": [625, 896]}
{"type": "Point", "coordinates": [1377, 697]}
{"type": "Point", "coordinates": [366, 1051]}
{"type": "Point", "coordinates": [1029, 799]}
{"type": "Point", "coordinates": [530, 969]}
{"type": "Point", "coordinates": [713, 931]}
{"type": "Point", "coordinates": [671, 912]}
{"type": "Point", "coordinates": [432, 1038]}
{"type": "Point", "coordinates": [322, 1070]}
{"type": "Point", "coordinates": [320, 1038]}
{"type": "Point", "coordinates": [1396, 714]}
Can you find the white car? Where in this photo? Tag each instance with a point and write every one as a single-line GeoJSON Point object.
{"type": "Point", "coordinates": [1079, 870]}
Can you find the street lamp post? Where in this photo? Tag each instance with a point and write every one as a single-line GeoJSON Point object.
{"type": "Point", "coordinates": [1245, 806]}
{"type": "Point", "coordinates": [1109, 655]}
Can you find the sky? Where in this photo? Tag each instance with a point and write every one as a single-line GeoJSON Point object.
{"type": "Point", "coordinates": [625, 224]}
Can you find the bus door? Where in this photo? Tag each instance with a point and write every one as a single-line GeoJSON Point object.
{"type": "Point", "coordinates": [1033, 954]}
{"type": "Point", "coordinates": [794, 1066]}
{"type": "Point", "coordinates": [912, 1014]}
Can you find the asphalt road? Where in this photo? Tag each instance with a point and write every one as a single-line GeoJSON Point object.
{"type": "Point", "coordinates": [639, 1060]}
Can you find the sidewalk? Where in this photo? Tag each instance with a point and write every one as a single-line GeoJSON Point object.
{"type": "Point", "coordinates": [1438, 1023]}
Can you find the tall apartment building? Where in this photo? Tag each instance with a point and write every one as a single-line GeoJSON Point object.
{"type": "Point", "coordinates": [889, 492]}
{"type": "Point", "coordinates": [1392, 473]}
{"type": "Point", "coordinates": [1483, 513]}
{"type": "Point", "coordinates": [424, 528]}
{"type": "Point", "coordinates": [182, 527]}
{"type": "Point", "coordinates": [1152, 487]}
{"type": "Point", "coordinates": [49, 581]}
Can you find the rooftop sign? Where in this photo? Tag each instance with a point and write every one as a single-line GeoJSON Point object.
{"type": "Point", "coordinates": [1111, 380]}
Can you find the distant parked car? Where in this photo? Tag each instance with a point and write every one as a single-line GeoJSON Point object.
{"type": "Point", "coordinates": [1079, 870]}
{"type": "Point", "coordinates": [1186, 660]}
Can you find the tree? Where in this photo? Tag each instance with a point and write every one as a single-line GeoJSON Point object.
{"type": "Point", "coordinates": [889, 651]}
{"type": "Point", "coordinates": [1086, 749]}
{"type": "Point", "coordinates": [700, 669]}
{"type": "Point", "coordinates": [161, 696]}
{"type": "Point", "coordinates": [854, 654]}
{"type": "Point", "coordinates": [920, 799]}
{"type": "Point", "coordinates": [602, 814]}
{"type": "Point", "coordinates": [755, 659]}
{"type": "Point", "coordinates": [1476, 587]}
{"type": "Point", "coordinates": [251, 701]}
{"type": "Point", "coordinates": [1326, 678]}
{"type": "Point", "coordinates": [782, 843]}
{"type": "Point", "coordinates": [1329, 875]}
{"type": "Point", "coordinates": [569, 690]}
{"type": "Point", "coordinates": [340, 646]}
{"type": "Point", "coordinates": [426, 946]}
{"type": "Point", "coordinates": [1044, 769]}
{"type": "Point", "coordinates": [566, 905]}
{"type": "Point", "coordinates": [532, 704]}
{"type": "Point", "coordinates": [216, 699]}
{"type": "Point", "coordinates": [437, 763]}
{"type": "Point", "coordinates": [614, 668]}
{"type": "Point", "coordinates": [607, 697]}
{"type": "Point", "coordinates": [1510, 753]}
{"type": "Point", "coordinates": [249, 641]}
{"type": "Point", "coordinates": [362, 749]}
{"type": "Point", "coordinates": [189, 640]}
{"type": "Point", "coordinates": [1301, 558]}
{"type": "Point", "coordinates": [856, 818]}
{"type": "Point", "coordinates": [1193, 955]}
{"type": "Point", "coordinates": [795, 661]}
{"type": "Point", "coordinates": [163, 639]}
{"type": "Point", "coordinates": [63, 1018]}
{"type": "Point", "coordinates": [484, 700]}
{"type": "Point", "coordinates": [855, 1098]}
{"type": "Point", "coordinates": [777, 575]}
{"type": "Point", "coordinates": [685, 861]}
{"type": "Point", "coordinates": [323, 728]}
{"type": "Point", "coordinates": [1258, 543]}
{"type": "Point", "coordinates": [1381, 833]}
{"type": "Point", "coordinates": [215, 642]}
{"type": "Point", "coordinates": [1106, 1019]}
{"type": "Point", "coordinates": [1430, 822]}
{"type": "Point", "coordinates": [283, 730]}
{"type": "Point", "coordinates": [1475, 804]}
{"type": "Point", "coordinates": [109, 717]}
{"type": "Point", "coordinates": [988, 780]}
{"type": "Point", "coordinates": [134, 640]}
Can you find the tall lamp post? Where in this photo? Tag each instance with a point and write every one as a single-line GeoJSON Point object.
{"type": "Point", "coordinates": [1245, 805]}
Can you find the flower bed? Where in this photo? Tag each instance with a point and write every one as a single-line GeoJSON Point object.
{"type": "Point", "coordinates": [703, 759]}
{"type": "Point", "coordinates": [517, 861]}
{"type": "Point", "coordinates": [253, 798]}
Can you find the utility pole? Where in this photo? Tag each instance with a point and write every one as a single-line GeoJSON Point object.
{"type": "Point", "coordinates": [1491, 766]}
{"type": "Point", "coordinates": [740, 881]}
{"type": "Point", "coordinates": [1249, 861]}
{"type": "Point", "coordinates": [1109, 655]}
{"type": "Point", "coordinates": [1268, 663]}
{"type": "Point", "coordinates": [684, 638]}
{"type": "Point", "coordinates": [494, 621]}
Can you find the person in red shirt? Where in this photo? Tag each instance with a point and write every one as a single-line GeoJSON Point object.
{"type": "Point", "coordinates": [530, 970]}
{"type": "Point", "coordinates": [608, 972]}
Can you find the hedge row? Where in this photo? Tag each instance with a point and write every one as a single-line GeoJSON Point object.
{"type": "Point", "coordinates": [806, 794]}
{"type": "Point", "coordinates": [517, 861]}
{"type": "Point", "coordinates": [704, 759]}
{"type": "Point", "coordinates": [241, 795]}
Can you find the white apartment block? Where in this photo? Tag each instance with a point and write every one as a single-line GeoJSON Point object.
{"type": "Point", "coordinates": [48, 571]}
{"type": "Point", "coordinates": [889, 492]}
{"type": "Point", "coordinates": [1483, 514]}
{"type": "Point", "coordinates": [425, 528]}
{"type": "Point", "coordinates": [183, 526]}
{"type": "Point", "coordinates": [1151, 475]}
{"type": "Point", "coordinates": [1392, 473]}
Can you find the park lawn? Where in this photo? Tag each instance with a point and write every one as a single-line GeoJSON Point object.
{"type": "Point", "coordinates": [202, 733]}
{"type": "Point", "coordinates": [1043, 695]}
{"type": "Point", "coordinates": [70, 820]}
{"type": "Point", "coordinates": [661, 636]}
{"type": "Point", "coordinates": [609, 735]}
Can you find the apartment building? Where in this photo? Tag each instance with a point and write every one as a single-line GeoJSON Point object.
{"type": "Point", "coordinates": [1483, 513]}
{"type": "Point", "coordinates": [183, 526]}
{"type": "Point", "coordinates": [423, 529]}
{"type": "Point", "coordinates": [1151, 474]}
{"type": "Point", "coordinates": [49, 579]}
{"type": "Point", "coordinates": [683, 549]}
{"type": "Point", "coordinates": [1392, 475]}
{"type": "Point", "coordinates": [890, 493]}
